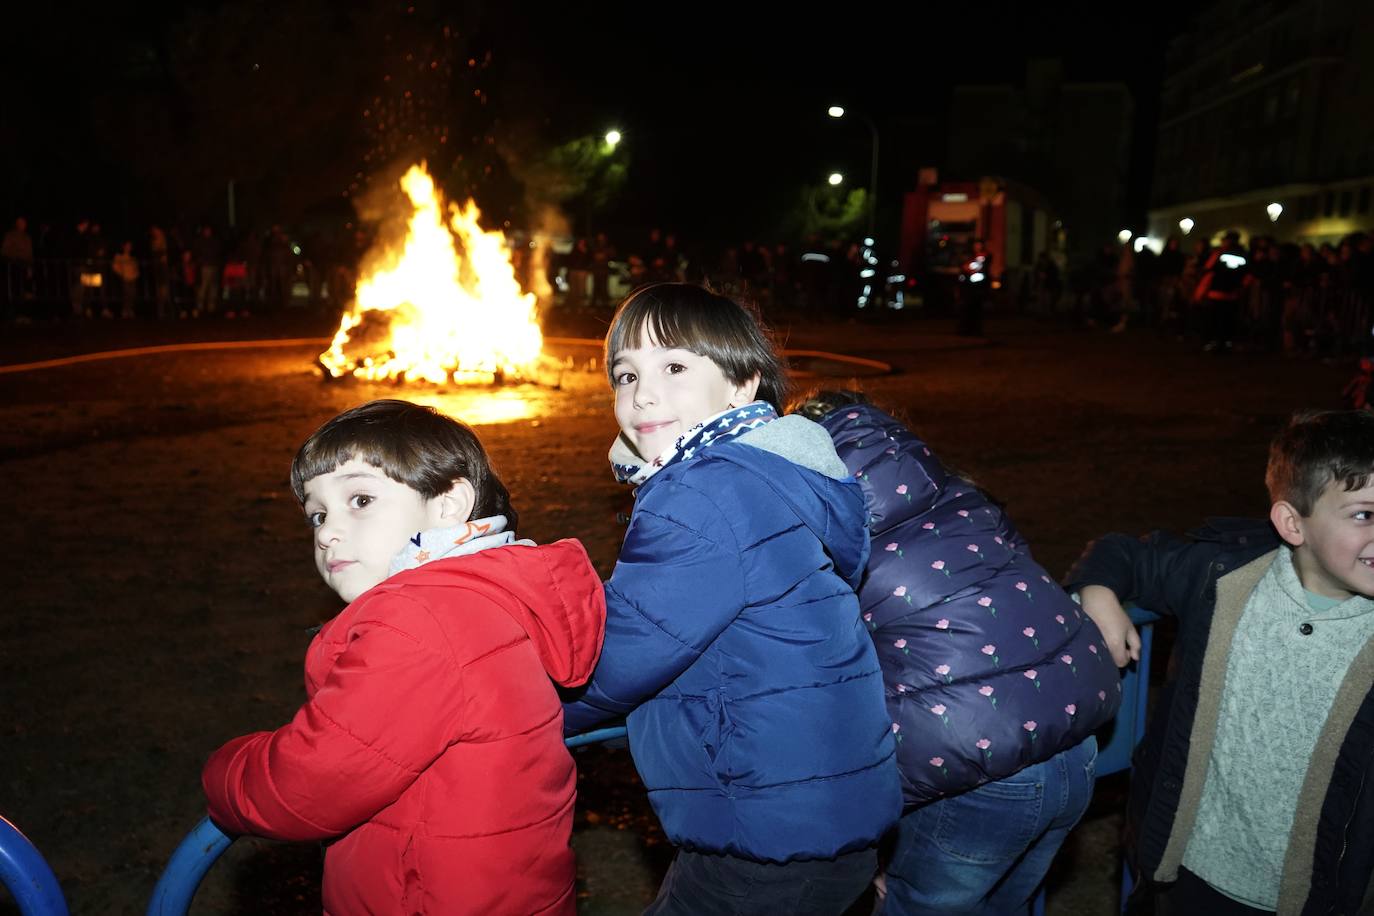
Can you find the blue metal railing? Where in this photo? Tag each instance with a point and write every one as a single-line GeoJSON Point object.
{"type": "Point", "coordinates": [206, 842]}
{"type": "Point", "coordinates": [27, 875]}
{"type": "Point", "coordinates": [32, 883]}
{"type": "Point", "coordinates": [1116, 746]}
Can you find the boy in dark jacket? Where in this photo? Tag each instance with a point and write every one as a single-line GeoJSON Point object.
{"type": "Point", "coordinates": [1252, 791]}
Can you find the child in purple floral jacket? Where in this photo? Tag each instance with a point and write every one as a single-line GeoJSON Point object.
{"type": "Point", "coordinates": [994, 678]}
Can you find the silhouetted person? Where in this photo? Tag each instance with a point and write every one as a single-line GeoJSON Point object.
{"type": "Point", "coordinates": [1225, 280]}
{"type": "Point", "coordinates": [975, 279]}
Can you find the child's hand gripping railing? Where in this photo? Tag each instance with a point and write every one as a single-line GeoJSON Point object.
{"type": "Point", "coordinates": [1116, 746]}
{"type": "Point", "coordinates": [206, 842]}
{"type": "Point", "coordinates": [27, 876]}
{"type": "Point", "coordinates": [1117, 740]}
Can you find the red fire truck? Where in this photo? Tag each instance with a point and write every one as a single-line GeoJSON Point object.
{"type": "Point", "coordinates": [940, 221]}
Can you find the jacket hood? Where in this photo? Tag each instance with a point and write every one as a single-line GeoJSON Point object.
{"type": "Point", "coordinates": [552, 592]}
{"type": "Point", "coordinates": [869, 438]}
{"type": "Point", "coordinates": [795, 459]}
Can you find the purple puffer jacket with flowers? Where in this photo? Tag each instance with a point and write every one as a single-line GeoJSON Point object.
{"type": "Point", "coordinates": [988, 665]}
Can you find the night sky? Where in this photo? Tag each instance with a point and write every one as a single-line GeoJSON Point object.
{"type": "Point", "coordinates": [137, 115]}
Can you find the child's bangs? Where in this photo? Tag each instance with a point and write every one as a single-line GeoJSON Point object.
{"type": "Point", "coordinates": [327, 454]}
{"type": "Point", "coordinates": [648, 317]}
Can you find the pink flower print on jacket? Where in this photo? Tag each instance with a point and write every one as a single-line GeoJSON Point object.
{"type": "Point", "coordinates": [900, 592]}
{"type": "Point", "coordinates": [943, 624]}
{"type": "Point", "coordinates": [991, 652]}
{"type": "Point", "coordinates": [930, 526]}
{"type": "Point", "coordinates": [939, 710]}
{"type": "Point", "coordinates": [973, 548]}
{"type": "Point", "coordinates": [897, 731]}
{"type": "Point", "coordinates": [1059, 619]}
{"type": "Point", "coordinates": [868, 619]}
{"type": "Point", "coordinates": [1024, 589]}
{"type": "Point", "coordinates": [939, 565]}
{"type": "Point", "coordinates": [943, 671]}
{"type": "Point", "coordinates": [902, 491]}
{"type": "Point", "coordinates": [1032, 675]}
{"type": "Point", "coordinates": [894, 547]}
{"type": "Point", "coordinates": [1072, 710]}
{"type": "Point", "coordinates": [1030, 727]}
{"type": "Point", "coordinates": [987, 691]}
{"type": "Point", "coordinates": [1029, 633]}
{"type": "Point", "coordinates": [1068, 660]}
{"type": "Point", "coordinates": [983, 744]}
{"type": "Point", "coordinates": [1093, 649]}
{"type": "Point", "coordinates": [939, 764]}
{"type": "Point", "coordinates": [901, 644]}
{"type": "Point", "coordinates": [986, 602]}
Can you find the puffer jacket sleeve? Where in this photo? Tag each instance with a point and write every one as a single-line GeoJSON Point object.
{"type": "Point", "coordinates": [678, 583]}
{"type": "Point", "coordinates": [390, 705]}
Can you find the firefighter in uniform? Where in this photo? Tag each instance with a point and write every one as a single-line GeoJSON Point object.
{"type": "Point", "coordinates": [1226, 278]}
{"type": "Point", "coordinates": [975, 278]}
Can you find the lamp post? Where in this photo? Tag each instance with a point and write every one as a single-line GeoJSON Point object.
{"type": "Point", "coordinates": [612, 139]}
{"type": "Point", "coordinates": [836, 111]}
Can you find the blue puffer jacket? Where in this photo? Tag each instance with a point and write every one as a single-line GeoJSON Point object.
{"type": "Point", "coordinates": [733, 641]}
{"type": "Point", "coordinates": [988, 665]}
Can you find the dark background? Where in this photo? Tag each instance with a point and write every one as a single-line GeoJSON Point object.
{"type": "Point", "coordinates": [143, 113]}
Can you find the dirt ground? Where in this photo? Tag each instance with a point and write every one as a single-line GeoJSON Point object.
{"type": "Point", "coordinates": [163, 586]}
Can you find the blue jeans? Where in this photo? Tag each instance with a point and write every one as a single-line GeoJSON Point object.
{"type": "Point", "coordinates": [701, 884]}
{"type": "Point", "coordinates": [986, 851]}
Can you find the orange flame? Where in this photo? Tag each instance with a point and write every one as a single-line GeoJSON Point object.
{"type": "Point", "coordinates": [444, 315]}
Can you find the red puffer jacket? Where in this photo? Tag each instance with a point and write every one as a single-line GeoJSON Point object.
{"type": "Point", "coordinates": [431, 745]}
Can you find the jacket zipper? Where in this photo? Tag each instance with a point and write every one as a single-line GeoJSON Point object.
{"type": "Point", "coordinates": [1345, 836]}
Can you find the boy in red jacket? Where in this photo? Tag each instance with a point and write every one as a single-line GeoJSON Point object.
{"type": "Point", "coordinates": [430, 748]}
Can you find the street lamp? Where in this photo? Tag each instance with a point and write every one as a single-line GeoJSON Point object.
{"type": "Point", "coordinates": [836, 111]}
{"type": "Point", "coordinates": [1186, 225]}
{"type": "Point", "coordinates": [1274, 210]}
{"type": "Point", "coordinates": [612, 137]}
{"type": "Point", "coordinates": [835, 178]}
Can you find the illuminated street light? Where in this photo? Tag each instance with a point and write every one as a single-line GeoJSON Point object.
{"type": "Point", "coordinates": [1123, 236]}
{"type": "Point", "coordinates": [1186, 225]}
{"type": "Point", "coordinates": [1274, 210]}
{"type": "Point", "coordinates": [612, 138]}
{"type": "Point", "coordinates": [835, 178]}
{"type": "Point", "coordinates": [837, 111]}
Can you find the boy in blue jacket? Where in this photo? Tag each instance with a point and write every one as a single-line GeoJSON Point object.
{"type": "Point", "coordinates": [733, 639]}
{"type": "Point", "coordinates": [1253, 790]}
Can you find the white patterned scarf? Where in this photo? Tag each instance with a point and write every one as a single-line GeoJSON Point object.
{"type": "Point", "coordinates": [469, 537]}
{"type": "Point", "coordinates": [629, 467]}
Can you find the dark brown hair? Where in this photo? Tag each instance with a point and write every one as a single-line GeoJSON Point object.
{"type": "Point", "coordinates": [691, 317]}
{"type": "Point", "coordinates": [410, 443]}
{"type": "Point", "coordinates": [1316, 448]}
